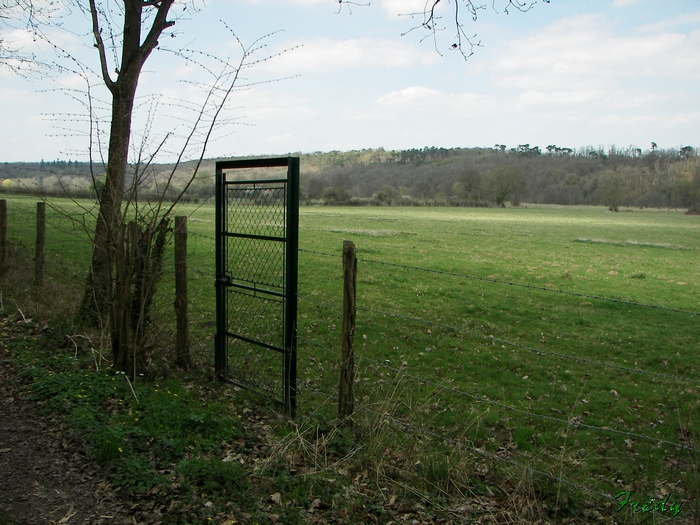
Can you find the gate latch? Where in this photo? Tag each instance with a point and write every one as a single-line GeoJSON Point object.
{"type": "Point", "coordinates": [223, 280]}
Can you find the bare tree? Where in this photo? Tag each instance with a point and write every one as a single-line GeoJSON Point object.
{"type": "Point", "coordinates": [20, 16]}
{"type": "Point", "coordinates": [142, 225]}
{"type": "Point", "coordinates": [462, 41]}
{"type": "Point", "coordinates": [506, 183]}
{"type": "Point", "coordinates": [124, 34]}
{"type": "Point", "coordinates": [471, 184]}
{"type": "Point", "coordinates": [130, 234]}
{"type": "Point", "coordinates": [136, 15]}
{"type": "Point", "coordinates": [128, 46]}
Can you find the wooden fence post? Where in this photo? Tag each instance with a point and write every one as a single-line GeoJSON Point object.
{"type": "Point", "coordinates": [40, 243]}
{"type": "Point", "coordinates": [346, 399]}
{"type": "Point", "coordinates": [3, 233]}
{"type": "Point", "coordinates": [181, 305]}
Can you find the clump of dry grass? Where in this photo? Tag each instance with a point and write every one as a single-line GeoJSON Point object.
{"type": "Point", "coordinates": [406, 468]}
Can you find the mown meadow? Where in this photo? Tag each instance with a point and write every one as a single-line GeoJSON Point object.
{"type": "Point", "coordinates": [476, 376]}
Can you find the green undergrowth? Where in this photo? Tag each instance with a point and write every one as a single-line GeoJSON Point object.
{"type": "Point", "coordinates": [188, 450]}
{"type": "Point", "coordinates": [181, 453]}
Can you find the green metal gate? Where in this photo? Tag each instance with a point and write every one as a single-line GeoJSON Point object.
{"type": "Point", "coordinates": [257, 232]}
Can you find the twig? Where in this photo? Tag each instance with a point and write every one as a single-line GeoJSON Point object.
{"type": "Point", "coordinates": [75, 345]}
{"type": "Point", "coordinates": [131, 387]}
{"type": "Point", "coordinates": [24, 319]}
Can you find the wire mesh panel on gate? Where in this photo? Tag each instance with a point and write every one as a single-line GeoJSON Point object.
{"type": "Point", "coordinates": [256, 268]}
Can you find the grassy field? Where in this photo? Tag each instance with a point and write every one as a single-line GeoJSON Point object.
{"type": "Point", "coordinates": [516, 357]}
{"type": "Point", "coordinates": [483, 377]}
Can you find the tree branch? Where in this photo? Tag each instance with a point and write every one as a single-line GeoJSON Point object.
{"type": "Point", "coordinates": [432, 25]}
{"type": "Point", "coordinates": [160, 24]}
{"type": "Point", "coordinates": [99, 44]}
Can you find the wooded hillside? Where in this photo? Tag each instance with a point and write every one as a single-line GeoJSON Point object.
{"type": "Point", "coordinates": [432, 176]}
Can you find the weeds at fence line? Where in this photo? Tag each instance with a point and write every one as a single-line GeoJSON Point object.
{"type": "Point", "coordinates": [380, 428]}
{"type": "Point", "coordinates": [569, 424]}
{"type": "Point", "coordinates": [572, 421]}
{"type": "Point", "coordinates": [67, 256]}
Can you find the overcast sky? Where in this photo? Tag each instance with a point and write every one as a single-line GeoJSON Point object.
{"type": "Point", "coordinates": [571, 73]}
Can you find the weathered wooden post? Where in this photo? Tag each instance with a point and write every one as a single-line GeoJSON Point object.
{"type": "Point", "coordinates": [40, 243]}
{"type": "Point", "coordinates": [346, 400]}
{"type": "Point", "coordinates": [181, 304]}
{"type": "Point", "coordinates": [3, 233]}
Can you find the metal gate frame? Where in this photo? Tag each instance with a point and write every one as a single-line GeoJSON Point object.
{"type": "Point", "coordinates": [225, 281]}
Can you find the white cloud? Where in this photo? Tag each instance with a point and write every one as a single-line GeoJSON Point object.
{"type": "Point", "coordinates": [660, 123]}
{"type": "Point", "coordinates": [18, 96]}
{"type": "Point", "coordinates": [626, 3]}
{"type": "Point", "coordinates": [293, 2]}
{"type": "Point", "coordinates": [588, 100]}
{"type": "Point", "coordinates": [263, 105]}
{"type": "Point", "coordinates": [424, 100]}
{"type": "Point", "coordinates": [424, 115]}
{"type": "Point", "coordinates": [672, 22]}
{"type": "Point", "coordinates": [328, 54]}
{"type": "Point", "coordinates": [404, 7]}
{"type": "Point", "coordinates": [409, 97]}
{"type": "Point", "coordinates": [560, 99]}
{"type": "Point", "coordinates": [355, 114]}
{"type": "Point", "coordinates": [77, 82]}
{"type": "Point", "coordinates": [273, 139]}
{"type": "Point", "coordinates": [584, 52]}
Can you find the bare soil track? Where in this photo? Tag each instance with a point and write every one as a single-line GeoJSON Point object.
{"type": "Point", "coordinates": [46, 476]}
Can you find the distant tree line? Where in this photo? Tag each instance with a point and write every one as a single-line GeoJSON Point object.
{"type": "Point", "coordinates": [77, 179]}
{"type": "Point", "coordinates": [496, 176]}
{"type": "Point", "coordinates": [433, 176]}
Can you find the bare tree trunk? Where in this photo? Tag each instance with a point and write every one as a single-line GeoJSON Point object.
{"type": "Point", "coordinates": [138, 262]}
{"type": "Point", "coordinates": [94, 308]}
{"type": "Point", "coordinates": [118, 319]}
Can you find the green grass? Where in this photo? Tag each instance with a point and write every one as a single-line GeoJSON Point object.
{"type": "Point", "coordinates": [546, 354]}
{"type": "Point", "coordinates": [533, 247]}
{"type": "Point", "coordinates": [538, 247]}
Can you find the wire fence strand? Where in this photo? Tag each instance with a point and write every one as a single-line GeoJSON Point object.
{"type": "Point", "coordinates": [573, 422]}
{"type": "Point", "coordinates": [461, 445]}
{"type": "Point", "coordinates": [510, 283]}
{"type": "Point", "coordinates": [510, 343]}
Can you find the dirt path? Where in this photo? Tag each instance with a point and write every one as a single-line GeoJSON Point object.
{"type": "Point", "coordinates": [46, 476]}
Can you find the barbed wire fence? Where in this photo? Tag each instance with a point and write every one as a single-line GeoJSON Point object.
{"type": "Point", "coordinates": [67, 245]}
{"type": "Point", "coordinates": [371, 395]}
{"type": "Point", "coordinates": [391, 394]}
